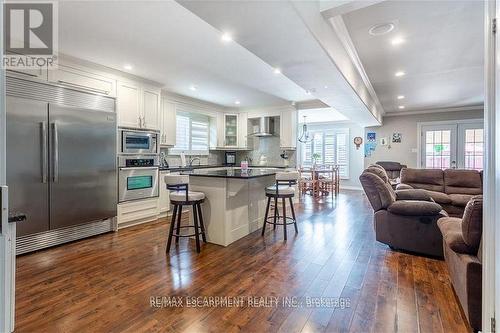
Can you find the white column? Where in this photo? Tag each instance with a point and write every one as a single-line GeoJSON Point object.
{"type": "Point", "coordinates": [491, 210]}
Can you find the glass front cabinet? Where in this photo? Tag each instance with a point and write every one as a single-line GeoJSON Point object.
{"type": "Point", "coordinates": [231, 130]}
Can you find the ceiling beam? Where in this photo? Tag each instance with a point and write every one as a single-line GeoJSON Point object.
{"type": "Point", "coordinates": [334, 8]}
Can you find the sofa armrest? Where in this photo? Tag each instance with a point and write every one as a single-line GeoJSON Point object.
{"type": "Point", "coordinates": [414, 208]}
{"type": "Point", "coordinates": [455, 241]}
{"type": "Point", "coordinates": [413, 194]}
{"type": "Point", "coordinates": [404, 187]}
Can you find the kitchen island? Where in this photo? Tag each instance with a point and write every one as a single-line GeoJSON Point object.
{"type": "Point", "coordinates": [235, 201]}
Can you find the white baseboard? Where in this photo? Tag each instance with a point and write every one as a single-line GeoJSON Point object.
{"type": "Point", "coordinates": [347, 187]}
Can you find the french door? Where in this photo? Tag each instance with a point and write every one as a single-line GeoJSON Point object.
{"type": "Point", "coordinates": [452, 145]}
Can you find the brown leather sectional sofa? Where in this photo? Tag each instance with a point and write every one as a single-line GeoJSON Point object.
{"type": "Point", "coordinates": [403, 219]}
{"type": "Point", "coordinates": [451, 188]}
{"type": "Point", "coordinates": [462, 252]}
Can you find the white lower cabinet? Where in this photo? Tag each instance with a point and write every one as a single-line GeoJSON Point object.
{"type": "Point", "coordinates": [137, 212]}
{"type": "Point", "coordinates": [164, 195]}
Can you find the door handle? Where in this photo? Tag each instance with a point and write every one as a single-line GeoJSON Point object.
{"type": "Point", "coordinates": [45, 163]}
{"type": "Point", "coordinates": [55, 154]}
{"type": "Point", "coordinates": [18, 217]}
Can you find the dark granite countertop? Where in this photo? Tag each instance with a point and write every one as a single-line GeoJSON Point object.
{"type": "Point", "coordinates": [195, 167]}
{"type": "Point", "coordinates": [232, 173]}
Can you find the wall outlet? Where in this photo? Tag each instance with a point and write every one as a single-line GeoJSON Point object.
{"type": "Point", "coordinates": [414, 150]}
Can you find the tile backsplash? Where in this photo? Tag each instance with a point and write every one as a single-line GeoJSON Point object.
{"type": "Point", "coordinates": [264, 151]}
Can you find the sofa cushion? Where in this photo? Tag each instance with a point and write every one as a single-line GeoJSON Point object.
{"type": "Point", "coordinates": [403, 187]}
{"type": "Point", "coordinates": [413, 194]}
{"type": "Point", "coordinates": [439, 197]}
{"type": "Point", "coordinates": [472, 222]}
{"type": "Point", "coordinates": [427, 179]}
{"type": "Point", "coordinates": [455, 211]}
{"type": "Point", "coordinates": [462, 181]}
{"type": "Point", "coordinates": [451, 228]}
{"type": "Point", "coordinates": [379, 193]}
{"type": "Point", "coordinates": [460, 200]}
{"type": "Point", "coordinates": [414, 208]}
{"type": "Point", "coordinates": [379, 171]}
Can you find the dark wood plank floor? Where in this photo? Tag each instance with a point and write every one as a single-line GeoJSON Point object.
{"type": "Point", "coordinates": [104, 284]}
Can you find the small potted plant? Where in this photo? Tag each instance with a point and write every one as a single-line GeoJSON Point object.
{"type": "Point", "coordinates": [315, 158]}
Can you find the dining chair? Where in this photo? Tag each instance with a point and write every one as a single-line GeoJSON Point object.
{"type": "Point", "coordinates": [307, 180]}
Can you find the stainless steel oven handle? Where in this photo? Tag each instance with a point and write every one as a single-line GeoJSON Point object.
{"type": "Point", "coordinates": [45, 162]}
{"type": "Point", "coordinates": [55, 176]}
{"type": "Point", "coordinates": [139, 168]}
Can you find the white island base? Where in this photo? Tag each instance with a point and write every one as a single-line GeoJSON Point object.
{"type": "Point", "coordinates": [233, 208]}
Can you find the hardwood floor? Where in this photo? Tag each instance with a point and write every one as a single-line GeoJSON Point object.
{"type": "Point", "coordinates": [104, 284]}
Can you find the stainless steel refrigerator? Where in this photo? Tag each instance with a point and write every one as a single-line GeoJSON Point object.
{"type": "Point", "coordinates": [61, 163]}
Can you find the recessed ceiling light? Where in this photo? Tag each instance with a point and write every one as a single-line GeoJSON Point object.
{"type": "Point", "coordinates": [381, 29]}
{"type": "Point", "coordinates": [397, 41]}
{"type": "Point", "coordinates": [401, 97]}
{"type": "Point", "coordinates": [226, 37]}
{"type": "Point", "coordinates": [277, 70]}
{"type": "Point", "coordinates": [399, 73]}
{"type": "Point", "coordinates": [326, 87]}
{"type": "Point", "coordinates": [237, 102]}
{"type": "Point", "coordinates": [401, 107]}
{"type": "Point", "coordinates": [308, 92]}
{"type": "Point", "coordinates": [128, 67]}
{"type": "Point", "coordinates": [193, 88]}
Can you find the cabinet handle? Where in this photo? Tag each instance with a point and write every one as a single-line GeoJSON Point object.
{"type": "Point", "coordinates": [140, 121]}
{"type": "Point", "coordinates": [79, 86]}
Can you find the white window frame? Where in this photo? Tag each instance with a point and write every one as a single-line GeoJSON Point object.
{"type": "Point", "coordinates": [190, 151]}
{"type": "Point", "coordinates": [335, 132]}
{"type": "Point", "coordinates": [457, 123]}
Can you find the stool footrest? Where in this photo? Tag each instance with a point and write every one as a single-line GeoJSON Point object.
{"type": "Point", "coordinates": [270, 220]}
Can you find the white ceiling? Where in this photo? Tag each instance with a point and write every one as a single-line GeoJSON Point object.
{"type": "Point", "coordinates": [442, 55]}
{"type": "Point", "coordinates": [323, 115]}
{"type": "Point", "coordinates": [294, 36]}
{"type": "Point", "coordinates": [168, 44]}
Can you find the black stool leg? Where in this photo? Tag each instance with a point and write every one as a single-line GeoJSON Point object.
{"type": "Point", "coordinates": [196, 230]}
{"type": "Point", "coordinates": [275, 211]}
{"type": "Point", "coordinates": [293, 215]}
{"type": "Point", "coordinates": [171, 231]}
{"type": "Point", "coordinates": [266, 215]}
{"type": "Point", "coordinates": [202, 225]}
{"type": "Point", "coordinates": [284, 217]}
{"type": "Point", "coordinates": [179, 213]}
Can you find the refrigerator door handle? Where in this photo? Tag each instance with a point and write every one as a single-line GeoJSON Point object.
{"type": "Point", "coordinates": [55, 176]}
{"type": "Point", "coordinates": [45, 162]}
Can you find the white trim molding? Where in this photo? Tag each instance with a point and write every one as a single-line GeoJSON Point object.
{"type": "Point", "coordinates": [425, 111]}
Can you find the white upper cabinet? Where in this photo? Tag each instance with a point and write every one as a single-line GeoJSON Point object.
{"type": "Point", "coordinates": [231, 130]}
{"type": "Point", "coordinates": [168, 122]}
{"type": "Point", "coordinates": [128, 104]}
{"type": "Point", "coordinates": [288, 129]}
{"type": "Point", "coordinates": [150, 108]}
{"type": "Point", "coordinates": [81, 79]}
{"type": "Point", "coordinates": [138, 106]}
{"type": "Point", "coordinates": [242, 130]}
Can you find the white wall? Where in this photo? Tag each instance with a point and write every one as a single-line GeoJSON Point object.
{"type": "Point", "coordinates": [355, 155]}
{"type": "Point", "coordinates": [405, 152]}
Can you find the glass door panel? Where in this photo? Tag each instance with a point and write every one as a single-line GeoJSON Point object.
{"type": "Point", "coordinates": [438, 147]}
{"type": "Point", "coordinates": [231, 130]}
{"type": "Point", "coordinates": [471, 146]}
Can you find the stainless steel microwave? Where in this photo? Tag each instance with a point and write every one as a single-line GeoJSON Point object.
{"type": "Point", "coordinates": [138, 141]}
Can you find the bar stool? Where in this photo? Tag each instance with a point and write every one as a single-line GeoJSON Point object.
{"type": "Point", "coordinates": [181, 196]}
{"type": "Point", "coordinates": [281, 190]}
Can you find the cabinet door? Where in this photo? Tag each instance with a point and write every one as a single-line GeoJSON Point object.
{"type": "Point", "coordinates": [231, 130]}
{"type": "Point", "coordinates": [242, 130]}
{"type": "Point", "coordinates": [82, 80]}
{"type": "Point", "coordinates": [40, 73]}
{"type": "Point", "coordinates": [164, 200]}
{"type": "Point", "coordinates": [128, 104]}
{"type": "Point", "coordinates": [220, 124]}
{"type": "Point", "coordinates": [168, 128]}
{"type": "Point", "coordinates": [288, 129]}
{"type": "Point", "coordinates": [150, 108]}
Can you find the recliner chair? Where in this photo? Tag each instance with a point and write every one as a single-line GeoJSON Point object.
{"type": "Point", "coordinates": [405, 219]}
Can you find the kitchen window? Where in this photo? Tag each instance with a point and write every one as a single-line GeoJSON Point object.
{"type": "Point", "coordinates": [327, 147]}
{"type": "Point", "coordinates": [192, 134]}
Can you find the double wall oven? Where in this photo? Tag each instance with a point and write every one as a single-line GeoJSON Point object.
{"type": "Point", "coordinates": [138, 165]}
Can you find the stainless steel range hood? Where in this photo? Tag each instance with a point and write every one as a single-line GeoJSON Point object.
{"type": "Point", "coordinates": [266, 127]}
